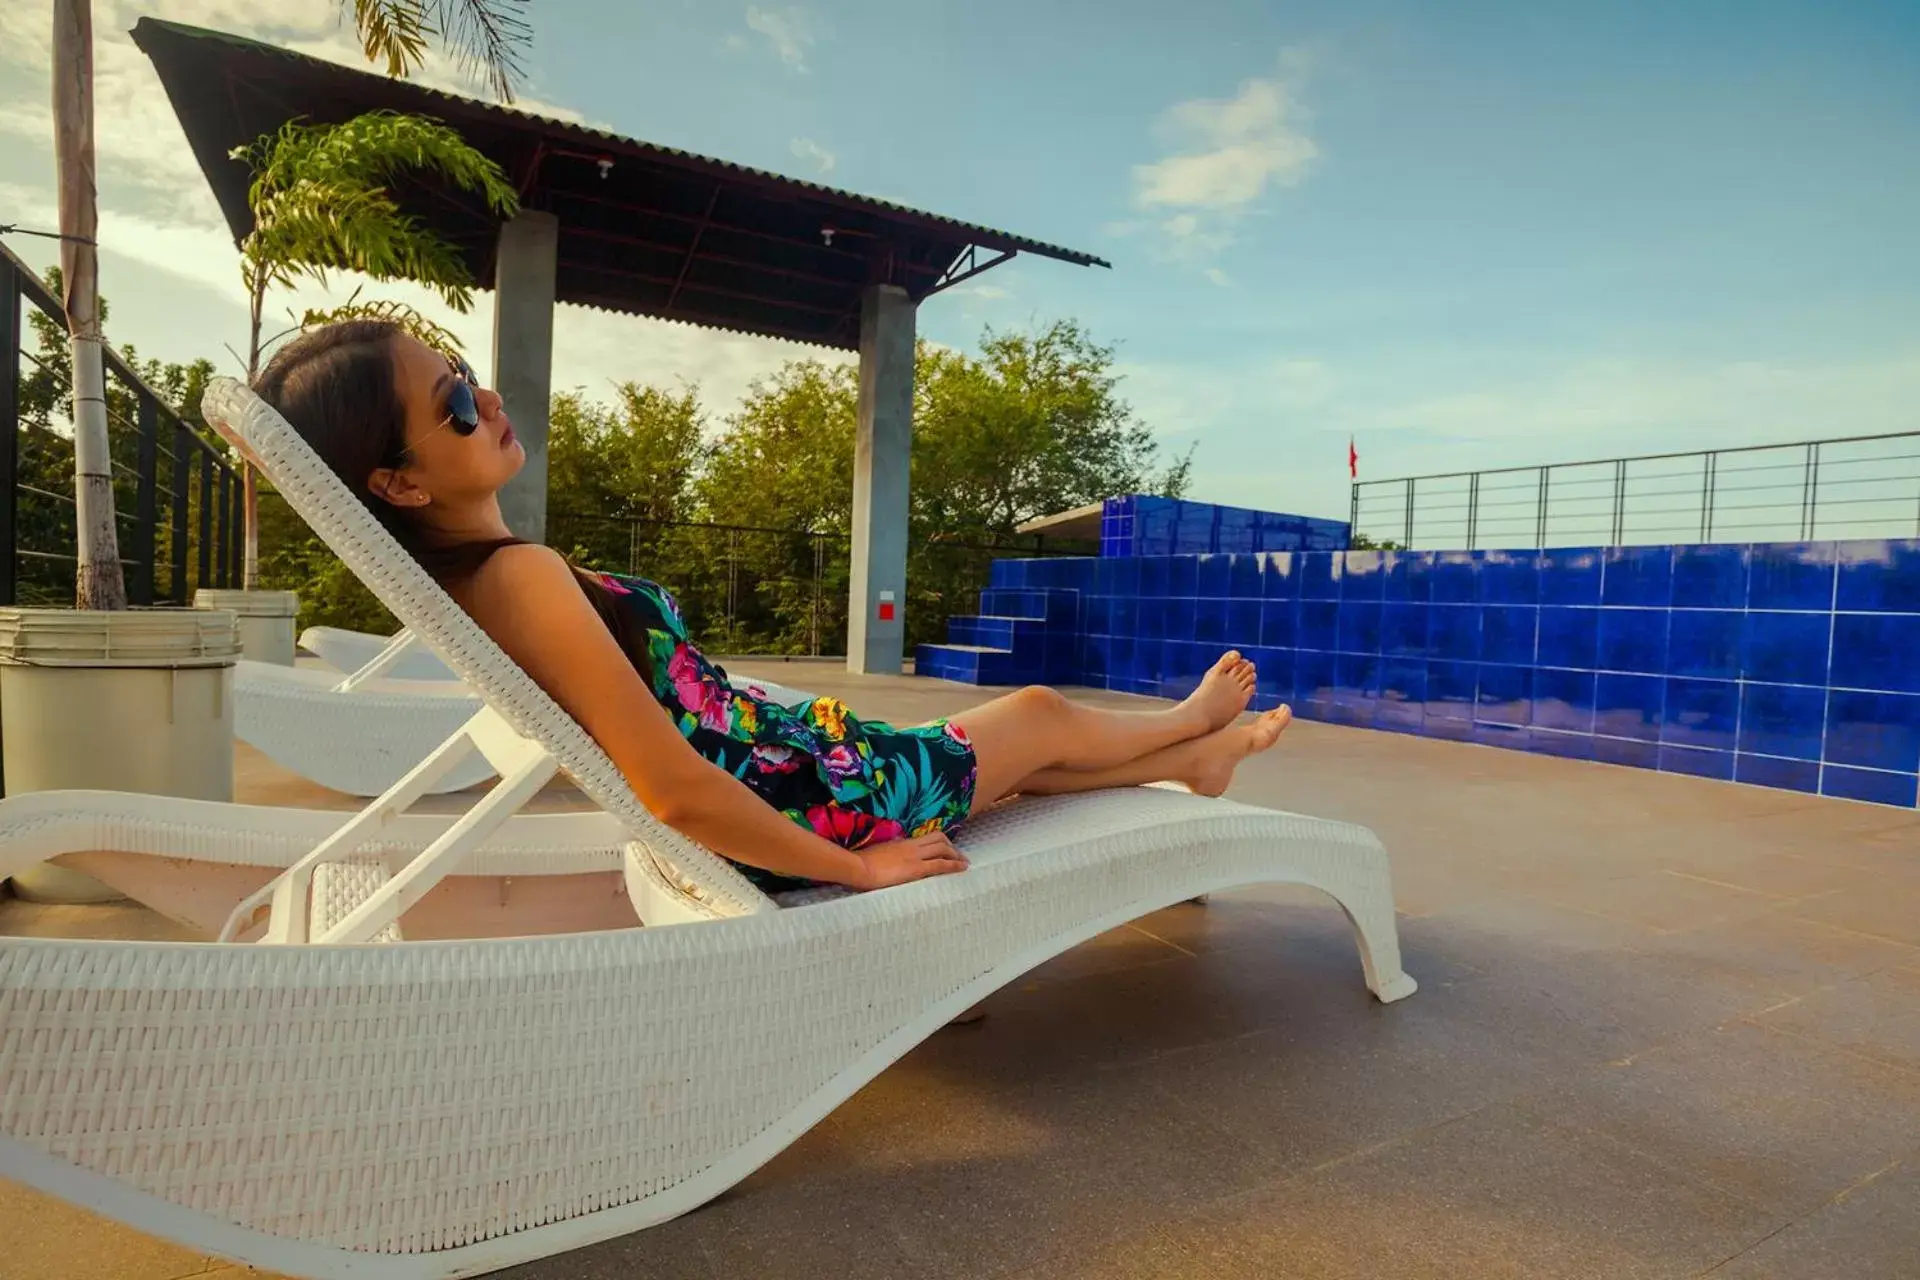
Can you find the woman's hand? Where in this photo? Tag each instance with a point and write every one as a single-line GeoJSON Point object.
{"type": "Point", "coordinates": [914, 858]}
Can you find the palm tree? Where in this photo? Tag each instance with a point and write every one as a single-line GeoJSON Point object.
{"type": "Point", "coordinates": [486, 35]}
{"type": "Point", "coordinates": [321, 203]}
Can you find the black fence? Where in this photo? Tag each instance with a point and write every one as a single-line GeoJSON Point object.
{"type": "Point", "coordinates": [749, 589]}
{"type": "Point", "coordinates": [1852, 487]}
{"type": "Point", "coordinates": [177, 501]}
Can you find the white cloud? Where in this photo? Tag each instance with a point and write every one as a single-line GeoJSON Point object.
{"type": "Point", "coordinates": [1223, 155]}
{"type": "Point", "coordinates": [1219, 277]}
{"type": "Point", "coordinates": [813, 153]}
{"type": "Point", "coordinates": [165, 249]}
{"type": "Point", "coordinates": [788, 30]}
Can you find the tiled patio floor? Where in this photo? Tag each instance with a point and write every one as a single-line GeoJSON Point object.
{"type": "Point", "coordinates": [1666, 1028]}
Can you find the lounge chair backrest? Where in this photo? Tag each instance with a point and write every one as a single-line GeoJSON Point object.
{"type": "Point", "coordinates": [343, 522]}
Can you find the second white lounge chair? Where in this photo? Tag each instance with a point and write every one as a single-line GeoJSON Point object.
{"type": "Point", "coordinates": [432, 1109]}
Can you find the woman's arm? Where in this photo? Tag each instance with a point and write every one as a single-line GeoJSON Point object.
{"type": "Point", "coordinates": [528, 600]}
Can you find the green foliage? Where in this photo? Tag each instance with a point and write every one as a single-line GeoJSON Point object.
{"type": "Point", "coordinates": [321, 202]}
{"type": "Point", "coordinates": [1364, 542]}
{"type": "Point", "coordinates": [486, 35]}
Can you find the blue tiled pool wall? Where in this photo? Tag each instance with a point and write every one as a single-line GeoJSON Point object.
{"type": "Point", "coordinates": [1784, 665]}
{"type": "Point", "coordinates": [1143, 525]}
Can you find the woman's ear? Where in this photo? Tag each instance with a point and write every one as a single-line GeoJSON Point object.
{"type": "Point", "coordinates": [397, 487]}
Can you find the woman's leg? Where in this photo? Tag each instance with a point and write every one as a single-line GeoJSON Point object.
{"type": "Point", "coordinates": [1205, 764]}
{"type": "Point", "coordinates": [1036, 728]}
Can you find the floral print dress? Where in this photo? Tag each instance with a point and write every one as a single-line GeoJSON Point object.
{"type": "Point", "coordinates": [856, 782]}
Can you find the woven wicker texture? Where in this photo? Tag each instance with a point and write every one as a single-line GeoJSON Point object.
{"type": "Point", "coordinates": [359, 743]}
{"type": "Point", "coordinates": [352, 533]}
{"type": "Point", "coordinates": [442, 1108]}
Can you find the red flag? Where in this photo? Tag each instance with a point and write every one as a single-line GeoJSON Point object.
{"type": "Point", "coordinates": [1353, 460]}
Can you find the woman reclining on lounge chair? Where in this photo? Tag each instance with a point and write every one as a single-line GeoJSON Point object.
{"type": "Point", "coordinates": [795, 795]}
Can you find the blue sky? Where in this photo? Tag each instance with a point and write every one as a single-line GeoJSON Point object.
{"type": "Point", "coordinates": [1465, 234]}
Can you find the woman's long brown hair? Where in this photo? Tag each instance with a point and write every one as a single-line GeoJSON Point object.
{"type": "Point", "coordinates": [337, 387]}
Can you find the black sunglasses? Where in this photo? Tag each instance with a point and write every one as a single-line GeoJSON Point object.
{"type": "Point", "coordinates": [463, 410]}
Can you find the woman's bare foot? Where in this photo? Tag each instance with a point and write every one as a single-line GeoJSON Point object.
{"type": "Point", "coordinates": [1221, 752]}
{"type": "Point", "coordinates": [1223, 694]}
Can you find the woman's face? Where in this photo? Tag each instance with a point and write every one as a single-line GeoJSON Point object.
{"type": "Point", "coordinates": [451, 460]}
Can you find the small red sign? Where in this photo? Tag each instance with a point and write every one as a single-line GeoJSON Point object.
{"type": "Point", "coordinates": [886, 611]}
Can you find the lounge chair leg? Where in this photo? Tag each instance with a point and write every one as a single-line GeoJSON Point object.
{"type": "Point", "coordinates": [1369, 908]}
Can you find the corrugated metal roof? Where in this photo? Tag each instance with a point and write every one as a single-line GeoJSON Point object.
{"type": "Point", "coordinates": [748, 263]}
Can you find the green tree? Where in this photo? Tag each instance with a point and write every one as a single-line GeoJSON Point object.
{"type": "Point", "coordinates": [320, 203]}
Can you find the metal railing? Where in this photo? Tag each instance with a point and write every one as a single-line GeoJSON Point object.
{"type": "Point", "coordinates": [1848, 487]}
{"type": "Point", "coordinates": [746, 588]}
{"type": "Point", "coordinates": [177, 500]}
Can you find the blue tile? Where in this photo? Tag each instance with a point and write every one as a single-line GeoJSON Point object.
{"type": "Point", "coordinates": [1314, 674]}
{"type": "Point", "coordinates": [1505, 694]}
{"type": "Point", "coordinates": [1273, 673]}
{"type": "Point", "coordinates": [1183, 576]}
{"type": "Point", "coordinates": [1507, 633]}
{"type": "Point", "coordinates": [1214, 576]}
{"type": "Point", "coordinates": [1627, 751]}
{"type": "Point", "coordinates": [1453, 632]}
{"type": "Point", "coordinates": [1120, 656]}
{"type": "Point", "coordinates": [1563, 700]}
{"type": "Point", "coordinates": [1409, 576]}
{"type": "Point", "coordinates": [1633, 640]}
{"type": "Point", "coordinates": [1357, 676]}
{"type": "Point", "coordinates": [1712, 577]}
{"type": "Point", "coordinates": [1126, 577]}
{"type": "Point", "coordinates": [1282, 578]}
{"type": "Point", "coordinates": [1791, 575]}
{"type": "Point", "coordinates": [1153, 577]}
{"type": "Point", "coordinates": [1862, 784]}
{"type": "Point", "coordinates": [1104, 575]}
{"type": "Point", "coordinates": [1880, 576]}
{"type": "Point", "coordinates": [1148, 618]}
{"type": "Point", "coordinates": [1638, 576]}
{"type": "Point", "coordinates": [1782, 720]}
{"type": "Point", "coordinates": [1243, 623]}
{"type": "Point", "coordinates": [1787, 775]}
{"type": "Point", "coordinates": [1701, 713]}
{"type": "Point", "coordinates": [1569, 637]}
{"type": "Point", "coordinates": [1629, 706]}
{"type": "Point", "coordinates": [1277, 619]}
{"type": "Point", "coordinates": [1510, 577]}
{"type": "Point", "coordinates": [1360, 626]}
{"type": "Point", "coordinates": [1876, 651]}
{"type": "Point", "coordinates": [1093, 656]}
{"type": "Point", "coordinates": [1403, 629]}
{"type": "Point", "coordinates": [1785, 648]}
{"type": "Point", "coordinates": [1570, 575]}
{"type": "Point", "coordinates": [1096, 616]}
{"type": "Point", "coordinates": [1874, 730]}
{"type": "Point", "coordinates": [1697, 763]}
{"type": "Point", "coordinates": [1456, 578]}
{"type": "Point", "coordinates": [1363, 575]}
{"type": "Point", "coordinates": [1319, 625]}
{"type": "Point", "coordinates": [1451, 688]}
{"type": "Point", "coordinates": [1179, 619]}
{"type": "Point", "coordinates": [1319, 574]}
{"type": "Point", "coordinates": [1447, 730]}
{"type": "Point", "coordinates": [1008, 573]}
{"type": "Point", "coordinates": [1705, 643]}
{"type": "Point", "coordinates": [1245, 576]}
{"type": "Point", "coordinates": [1403, 691]}
{"type": "Point", "coordinates": [1210, 620]}
{"type": "Point", "coordinates": [1505, 736]}
{"type": "Point", "coordinates": [1553, 742]}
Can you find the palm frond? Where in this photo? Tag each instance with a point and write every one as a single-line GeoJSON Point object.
{"type": "Point", "coordinates": [488, 37]}
{"type": "Point", "coordinates": [392, 31]}
{"type": "Point", "coordinates": [393, 312]}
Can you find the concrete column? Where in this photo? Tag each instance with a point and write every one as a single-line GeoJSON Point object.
{"type": "Point", "coordinates": [876, 600]}
{"type": "Point", "coordinates": [523, 289]}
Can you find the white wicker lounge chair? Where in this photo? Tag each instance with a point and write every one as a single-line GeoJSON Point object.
{"type": "Point", "coordinates": [445, 1108]}
{"type": "Point", "coordinates": [358, 730]}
